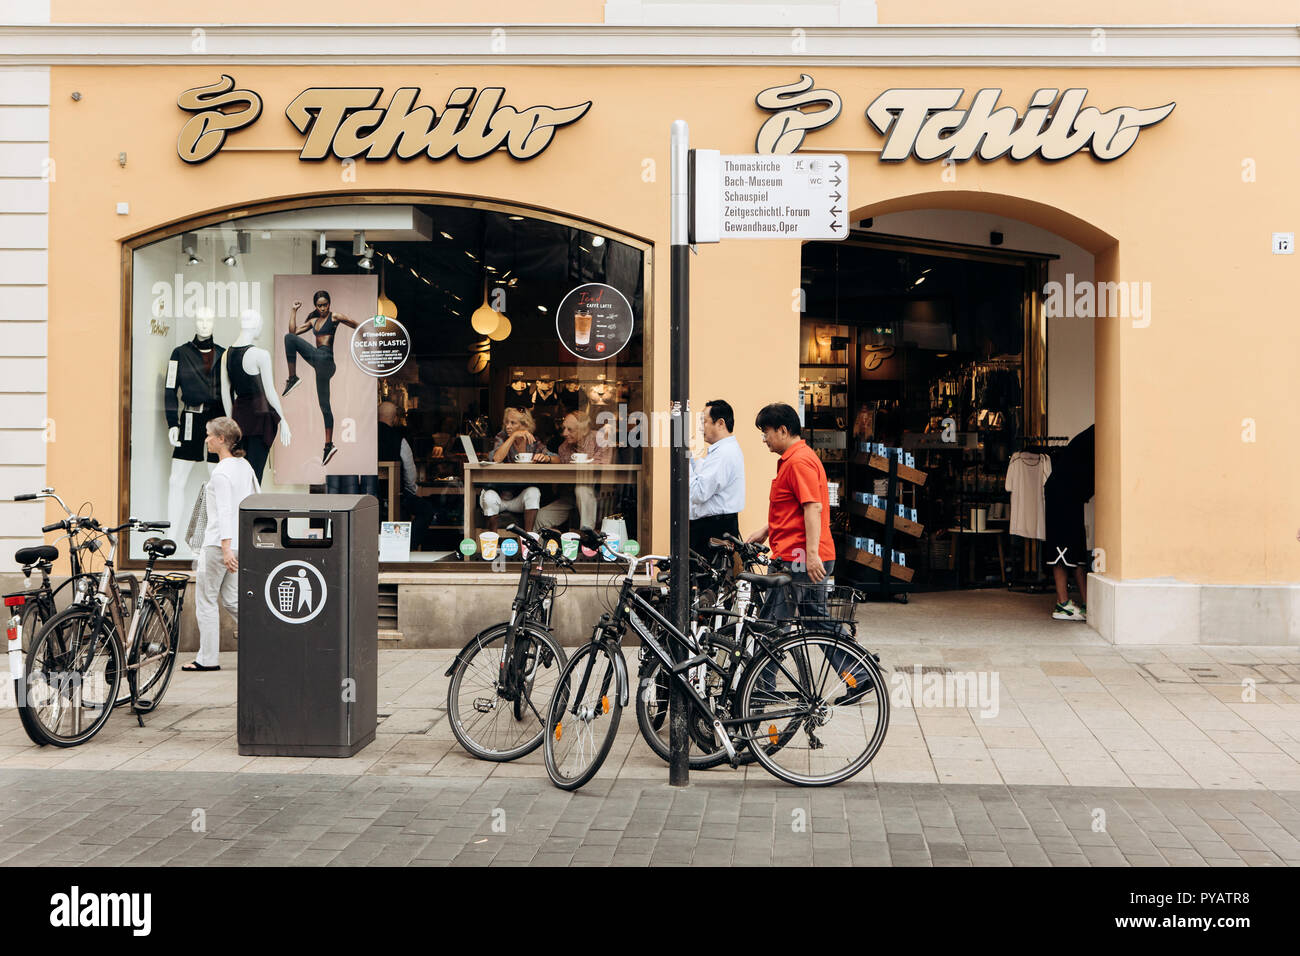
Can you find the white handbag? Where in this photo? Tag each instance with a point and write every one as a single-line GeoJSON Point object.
{"type": "Point", "coordinates": [614, 525]}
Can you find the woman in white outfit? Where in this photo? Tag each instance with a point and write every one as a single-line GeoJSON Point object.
{"type": "Point", "coordinates": [216, 567]}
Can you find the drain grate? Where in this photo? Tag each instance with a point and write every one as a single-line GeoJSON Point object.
{"type": "Point", "coordinates": [1226, 673]}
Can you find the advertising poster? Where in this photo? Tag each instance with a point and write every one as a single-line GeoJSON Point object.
{"type": "Point", "coordinates": [594, 321]}
{"type": "Point", "coordinates": [329, 401]}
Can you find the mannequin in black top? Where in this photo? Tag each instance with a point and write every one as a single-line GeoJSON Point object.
{"type": "Point", "coordinates": [323, 324]}
{"type": "Point", "coordinates": [191, 398]}
{"type": "Point", "coordinates": [248, 393]}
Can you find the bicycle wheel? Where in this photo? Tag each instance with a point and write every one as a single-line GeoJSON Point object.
{"type": "Point", "coordinates": [152, 658]}
{"type": "Point", "coordinates": [583, 716]}
{"type": "Point", "coordinates": [652, 708]}
{"type": "Point", "coordinates": [820, 724]}
{"type": "Point", "coordinates": [35, 615]}
{"type": "Point", "coordinates": [499, 724]}
{"type": "Point", "coordinates": [69, 692]}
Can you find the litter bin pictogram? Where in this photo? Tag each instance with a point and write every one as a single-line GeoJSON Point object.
{"type": "Point", "coordinates": [285, 590]}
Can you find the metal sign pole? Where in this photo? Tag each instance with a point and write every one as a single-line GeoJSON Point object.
{"type": "Point", "coordinates": [679, 506]}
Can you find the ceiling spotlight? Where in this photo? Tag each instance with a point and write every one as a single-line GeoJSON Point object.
{"type": "Point", "coordinates": [513, 282]}
{"type": "Point", "coordinates": [231, 258]}
{"type": "Point", "coordinates": [471, 255]}
{"type": "Point", "coordinates": [359, 242]}
{"type": "Point", "coordinates": [189, 246]}
{"type": "Point", "coordinates": [541, 308]}
{"type": "Point", "coordinates": [447, 235]}
{"type": "Point", "coordinates": [329, 262]}
{"type": "Point", "coordinates": [517, 218]}
{"type": "Point", "coordinates": [597, 241]}
{"type": "Point", "coordinates": [366, 261]}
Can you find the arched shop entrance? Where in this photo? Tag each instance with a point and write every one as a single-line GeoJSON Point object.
{"type": "Point", "coordinates": [928, 329]}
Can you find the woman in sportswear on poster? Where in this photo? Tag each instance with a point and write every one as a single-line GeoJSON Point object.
{"type": "Point", "coordinates": [323, 324]}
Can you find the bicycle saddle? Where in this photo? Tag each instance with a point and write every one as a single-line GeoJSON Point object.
{"type": "Point", "coordinates": [764, 581]}
{"type": "Point", "coordinates": [162, 547]}
{"type": "Point", "coordinates": [28, 556]}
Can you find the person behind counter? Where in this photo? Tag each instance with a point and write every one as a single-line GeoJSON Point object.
{"type": "Point", "coordinates": [393, 446]}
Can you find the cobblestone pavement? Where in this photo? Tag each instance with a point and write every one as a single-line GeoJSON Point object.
{"type": "Point", "coordinates": [1074, 711]}
{"type": "Point", "coordinates": [153, 818]}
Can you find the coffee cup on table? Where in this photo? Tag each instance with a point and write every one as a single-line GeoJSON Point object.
{"type": "Point", "coordinates": [524, 457]}
{"type": "Point", "coordinates": [580, 458]}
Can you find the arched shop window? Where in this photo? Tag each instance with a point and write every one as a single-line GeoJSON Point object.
{"type": "Point", "coordinates": [377, 347]}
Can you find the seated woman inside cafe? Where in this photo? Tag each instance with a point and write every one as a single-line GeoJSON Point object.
{"type": "Point", "coordinates": [516, 443]}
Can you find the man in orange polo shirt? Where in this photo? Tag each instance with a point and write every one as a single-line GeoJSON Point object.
{"type": "Point", "coordinates": [799, 529]}
{"type": "Point", "coordinates": [798, 509]}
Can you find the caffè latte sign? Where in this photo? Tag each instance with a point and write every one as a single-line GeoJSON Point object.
{"type": "Point", "coordinates": [926, 124]}
{"type": "Point", "coordinates": [348, 123]}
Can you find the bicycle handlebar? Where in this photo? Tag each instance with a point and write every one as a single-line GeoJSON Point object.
{"type": "Point", "coordinates": [534, 541]}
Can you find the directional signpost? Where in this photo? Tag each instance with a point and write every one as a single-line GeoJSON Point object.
{"type": "Point", "coordinates": [770, 197]}
{"type": "Point", "coordinates": [716, 197]}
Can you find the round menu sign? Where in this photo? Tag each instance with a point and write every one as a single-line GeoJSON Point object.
{"type": "Point", "coordinates": [380, 346]}
{"type": "Point", "coordinates": [594, 321]}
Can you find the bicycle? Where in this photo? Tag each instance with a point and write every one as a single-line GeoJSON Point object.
{"type": "Point", "coordinates": [731, 633]}
{"type": "Point", "coordinates": [78, 658]}
{"type": "Point", "coordinates": [792, 713]}
{"type": "Point", "coordinates": [497, 675]}
{"type": "Point", "coordinates": [32, 606]}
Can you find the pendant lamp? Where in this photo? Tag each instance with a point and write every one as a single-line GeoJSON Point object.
{"type": "Point", "coordinates": [385, 305]}
{"type": "Point", "coordinates": [485, 319]}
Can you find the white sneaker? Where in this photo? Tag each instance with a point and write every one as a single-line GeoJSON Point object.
{"type": "Point", "coordinates": [1069, 611]}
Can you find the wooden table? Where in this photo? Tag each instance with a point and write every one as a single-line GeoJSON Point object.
{"type": "Point", "coordinates": [507, 473]}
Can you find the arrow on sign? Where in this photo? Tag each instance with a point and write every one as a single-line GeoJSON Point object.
{"type": "Point", "coordinates": [836, 196]}
{"type": "Point", "coordinates": [835, 225]}
{"type": "Point", "coordinates": [836, 181]}
{"type": "Point", "coordinates": [836, 166]}
{"type": "Point", "coordinates": [835, 211]}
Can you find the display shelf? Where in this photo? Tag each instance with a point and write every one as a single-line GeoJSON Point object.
{"type": "Point", "coordinates": [877, 515]}
{"type": "Point", "coordinates": [914, 475]}
{"type": "Point", "coordinates": [876, 563]}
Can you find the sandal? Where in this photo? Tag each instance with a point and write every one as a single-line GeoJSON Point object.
{"type": "Point", "coordinates": [196, 666]}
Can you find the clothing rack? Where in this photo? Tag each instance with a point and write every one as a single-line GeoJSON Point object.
{"type": "Point", "coordinates": [1034, 580]}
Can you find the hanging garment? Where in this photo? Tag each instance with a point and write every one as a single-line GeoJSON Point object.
{"type": "Point", "coordinates": [1027, 473]}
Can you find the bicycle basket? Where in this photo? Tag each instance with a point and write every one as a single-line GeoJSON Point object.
{"type": "Point", "coordinates": [805, 601]}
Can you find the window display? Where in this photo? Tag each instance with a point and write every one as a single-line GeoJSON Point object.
{"type": "Point", "coordinates": [267, 318]}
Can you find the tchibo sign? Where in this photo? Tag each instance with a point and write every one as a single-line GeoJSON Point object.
{"type": "Point", "coordinates": [926, 124]}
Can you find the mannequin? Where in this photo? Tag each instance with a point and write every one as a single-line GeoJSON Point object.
{"type": "Point", "coordinates": [248, 393]}
{"type": "Point", "coordinates": [190, 400]}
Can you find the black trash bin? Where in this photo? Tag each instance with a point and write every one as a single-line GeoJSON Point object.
{"type": "Point", "coordinates": [308, 643]}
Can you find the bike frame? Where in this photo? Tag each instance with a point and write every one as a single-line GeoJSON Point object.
{"type": "Point", "coordinates": [630, 606]}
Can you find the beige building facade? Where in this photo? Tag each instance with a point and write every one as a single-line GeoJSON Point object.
{"type": "Point", "coordinates": [1177, 210]}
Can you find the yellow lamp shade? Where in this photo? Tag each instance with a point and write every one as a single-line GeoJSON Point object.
{"type": "Point", "coordinates": [387, 307]}
{"type": "Point", "coordinates": [502, 331]}
{"type": "Point", "coordinates": [485, 319]}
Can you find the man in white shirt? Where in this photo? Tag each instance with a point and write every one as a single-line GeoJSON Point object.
{"type": "Point", "coordinates": [717, 479]}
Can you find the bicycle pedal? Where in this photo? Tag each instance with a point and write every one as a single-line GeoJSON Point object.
{"type": "Point", "coordinates": [483, 705]}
